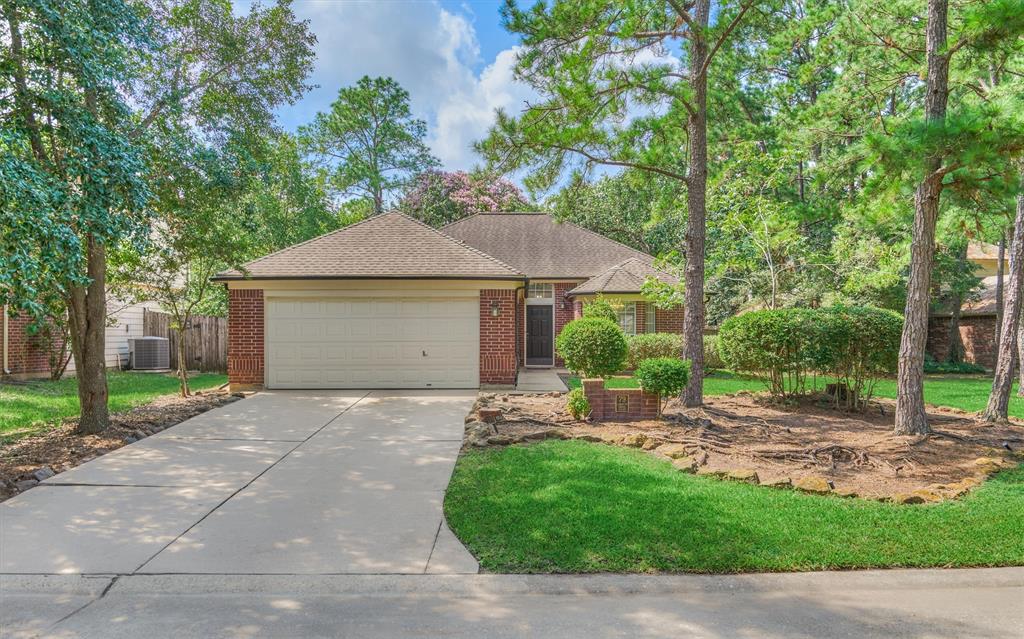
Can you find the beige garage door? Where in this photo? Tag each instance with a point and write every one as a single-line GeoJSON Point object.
{"type": "Point", "coordinates": [373, 343]}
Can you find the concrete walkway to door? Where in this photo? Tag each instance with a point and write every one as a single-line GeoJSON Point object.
{"type": "Point", "coordinates": [285, 482]}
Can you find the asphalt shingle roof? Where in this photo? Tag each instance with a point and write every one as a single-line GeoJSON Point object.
{"type": "Point", "coordinates": [626, 277]}
{"type": "Point", "coordinates": [385, 246]}
{"type": "Point", "coordinates": [540, 246]}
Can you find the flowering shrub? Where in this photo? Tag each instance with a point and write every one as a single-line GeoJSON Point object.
{"type": "Point", "coordinates": [442, 197]}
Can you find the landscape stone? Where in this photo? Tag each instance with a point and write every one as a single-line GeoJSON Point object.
{"type": "Point", "coordinates": [685, 464]}
{"type": "Point", "coordinates": [500, 440]}
{"type": "Point", "coordinates": [743, 474]}
{"type": "Point", "coordinates": [650, 444]}
{"type": "Point", "coordinates": [43, 473]}
{"type": "Point", "coordinates": [907, 498]}
{"type": "Point", "coordinates": [928, 495]}
{"type": "Point", "coordinates": [989, 464]}
{"type": "Point", "coordinates": [590, 438]}
{"type": "Point", "coordinates": [673, 451]}
{"type": "Point", "coordinates": [813, 484]}
{"type": "Point", "coordinates": [846, 492]}
{"type": "Point", "coordinates": [636, 440]}
{"type": "Point", "coordinates": [780, 482]}
{"type": "Point", "coordinates": [25, 484]}
{"type": "Point", "coordinates": [704, 471]}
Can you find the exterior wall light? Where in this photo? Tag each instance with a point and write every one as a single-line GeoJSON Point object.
{"type": "Point", "coordinates": [495, 310]}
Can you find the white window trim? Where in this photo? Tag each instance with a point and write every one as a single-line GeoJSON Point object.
{"type": "Point", "coordinates": [628, 305]}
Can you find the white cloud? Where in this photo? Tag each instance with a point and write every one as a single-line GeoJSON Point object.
{"type": "Point", "coordinates": [430, 51]}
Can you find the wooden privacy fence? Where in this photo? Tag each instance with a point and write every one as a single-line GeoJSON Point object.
{"type": "Point", "coordinates": [206, 340]}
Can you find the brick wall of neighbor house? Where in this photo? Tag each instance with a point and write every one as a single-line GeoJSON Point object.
{"type": "Point", "coordinates": [669, 320]}
{"type": "Point", "coordinates": [564, 312]}
{"type": "Point", "coordinates": [498, 337]}
{"type": "Point", "coordinates": [26, 355]}
{"type": "Point", "coordinates": [978, 334]}
{"type": "Point", "coordinates": [245, 338]}
{"type": "Point", "coordinates": [619, 404]}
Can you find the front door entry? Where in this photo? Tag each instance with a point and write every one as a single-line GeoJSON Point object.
{"type": "Point", "coordinates": [539, 325]}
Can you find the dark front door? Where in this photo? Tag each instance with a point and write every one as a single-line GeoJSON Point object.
{"type": "Point", "coordinates": [539, 349]}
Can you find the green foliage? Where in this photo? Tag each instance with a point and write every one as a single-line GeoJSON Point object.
{"type": "Point", "coordinates": [666, 376]}
{"type": "Point", "coordinates": [712, 357]}
{"type": "Point", "coordinates": [647, 345]}
{"type": "Point", "coordinates": [854, 345]}
{"type": "Point", "coordinates": [577, 404]}
{"type": "Point", "coordinates": [600, 307]}
{"type": "Point", "coordinates": [369, 145]}
{"type": "Point", "coordinates": [593, 346]}
{"type": "Point", "coordinates": [932, 367]}
{"type": "Point", "coordinates": [441, 197]}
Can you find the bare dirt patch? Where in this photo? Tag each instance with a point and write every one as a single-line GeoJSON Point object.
{"type": "Point", "coordinates": [59, 449]}
{"type": "Point", "coordinates": [809, 445]}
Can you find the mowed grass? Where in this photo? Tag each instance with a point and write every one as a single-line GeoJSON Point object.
{"type": "Point", "coordinates": [966, 392]}
{"type": "Point", "coordinates": [571, 506]}
{"type": "Point", "coordinates": [29, 408]}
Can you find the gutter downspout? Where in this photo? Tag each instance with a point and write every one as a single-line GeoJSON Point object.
{"type": "Point", "coordinates": [7, 370]}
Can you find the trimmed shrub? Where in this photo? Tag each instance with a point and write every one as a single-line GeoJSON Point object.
{"type": "Point", "coordinates": [666, 376]}
{"type": "Point", "coordinates": [648, 345]}
{"type": "Point", "coordinates": [577, 404]}
{"type": "Point", "coordinates": [592, 346]}
{"type": "Point", "coordinates": [855, 344]}
{"type": "Point", "coordinates": [601, 308]}
{"type": "Point", "coordinates": [712, 360]}
{"type": "Point", "coordinates": [933, 367]}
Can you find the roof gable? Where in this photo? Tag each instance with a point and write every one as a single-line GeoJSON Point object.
{"type": "Point", "coordinates": [540, 246]}
{"type": "Point", "coordinates": [390, 245]}
{"type": "Point", "coordinates": [626, 277]}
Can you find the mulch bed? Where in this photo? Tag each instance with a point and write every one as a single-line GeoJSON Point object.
{"type": "Point", "coordinates": [809, 444]}
{"type": "Point", "coordinates": [60, 448]}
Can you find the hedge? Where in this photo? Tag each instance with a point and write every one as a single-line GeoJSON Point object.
{"type": "Point", "coordinates": [856, 345]}
{"type": "Point", "coordinates": [648, 345]}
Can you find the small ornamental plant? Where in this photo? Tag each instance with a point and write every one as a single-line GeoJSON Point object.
{"type": "Point", "coordinates": [577, 404]}
{"type": "Point", "coordinates": [666, 376]}
{"type": "Point", "coordinates": [592, 346]}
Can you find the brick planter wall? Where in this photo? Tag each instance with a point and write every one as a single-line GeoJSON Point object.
{"type": "Point", "coordinates": [245, 338]}
{"type": "Point", "coordinates": [498, 364]}
{"type": "Point", "coordinates": [619, 404]}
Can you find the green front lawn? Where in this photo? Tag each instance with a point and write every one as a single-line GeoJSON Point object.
{"type": "Point", "coordinates": [25, 409]}
{"type": "Point", "coordinates": [570, 506]}
{"type": "Point", "coordinates": [966, 392]}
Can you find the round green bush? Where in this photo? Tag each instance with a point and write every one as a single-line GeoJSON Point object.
{"type": "Point", "coordinates": [648, 345]}
{"type": "Point", "coordinates": [666, 376]}
{"type": "Point", "coordinates": [600, 308]}
{"type": "Point", "coordinates": [577, 404]}
{"type": "Point", "coordinates": [712, 359]}
{"type": "Point", "coordinates": [594, 347]}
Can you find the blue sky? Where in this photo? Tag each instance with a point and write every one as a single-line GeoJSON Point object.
{"type": "Point", "coordinates": [453, 57]}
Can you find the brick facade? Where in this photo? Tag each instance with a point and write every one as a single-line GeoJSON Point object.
{"type": "Point", "coordinates": [669, 320]}
{"type": "Point", "coordinates": [26, 353]}
{"type": "Point", "coordinates": [977, 332]}
{"type": "Point", "coordinates": [619, 404]}
{"type": "Point", "coordinates": [498, 363]}
{"type": "Point", "coordinates": [245, 338]}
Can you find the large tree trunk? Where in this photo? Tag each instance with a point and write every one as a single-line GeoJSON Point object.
{"type": "Point", "coordinates": [910, 413]}
{"type": "Point", "coordinates": [88, 317]}
{"type": "Point", "coordinates": [955, 354]}
{"type": "Point", "coordinates": [182, 364]}
{"type": "Point", "coordinates": [1000, 287]}
{"type": "Point", "coordinates": [1002, 383]}
{"type": "Point", "coordinates": [696, 192]}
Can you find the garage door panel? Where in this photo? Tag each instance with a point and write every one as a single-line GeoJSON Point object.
{"type": "Point", "coordinates": [373, 343]}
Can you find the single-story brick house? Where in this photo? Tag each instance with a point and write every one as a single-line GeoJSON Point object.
{"type": "Point", "coordinates": [390, 302]}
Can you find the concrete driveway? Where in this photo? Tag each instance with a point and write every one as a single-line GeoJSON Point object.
{"type": "Point", "coordinates": [285, 482]}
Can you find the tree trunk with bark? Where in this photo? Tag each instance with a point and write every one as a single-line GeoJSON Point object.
{"type": "Point", "coordinates": [87, 314]}
{"type": "Point", "coordinates": [1002, 382]}
{"type": "Point", "coordinates": [911, 418]}
{"type": "Point", "coordinates": [182, 364]}
{"type": "Point", "coordinates": [696, 202]}
{"type": "Point", "coordinates": [1000, 288]}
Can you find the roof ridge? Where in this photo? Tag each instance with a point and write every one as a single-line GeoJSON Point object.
{"type": "Point", "coordinates": [455, 241]}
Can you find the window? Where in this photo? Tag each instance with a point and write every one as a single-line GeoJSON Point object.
{"type": "Point", "coordinates": [540, 291]}
{"type": "Point", "coordinates": [627, 318]}
{"type": "Point", "coordinates": [650, 318]}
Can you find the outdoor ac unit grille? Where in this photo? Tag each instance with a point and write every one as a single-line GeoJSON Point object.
{"type": "Point", "coordinates": [150, 353]}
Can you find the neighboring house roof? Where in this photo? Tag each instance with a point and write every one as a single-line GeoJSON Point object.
{"type": "Point", "coordinates": [385, 246]}
{"type": "Point", "coordinates": [540, 246]}
{"type": "Point", "coordinates": [626, 277]}
{"type": "Point", "coordinates": [982, 251]}
{"type": "Point", "coordinates": [983, 304]}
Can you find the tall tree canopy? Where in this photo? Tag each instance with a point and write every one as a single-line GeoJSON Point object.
{"type": "Point", "coordinates": [369, 145]}
{"type": "Point", "coordinates": [442, 197]}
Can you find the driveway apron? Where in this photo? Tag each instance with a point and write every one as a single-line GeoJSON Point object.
{"type": "Point", "coordinates": [288, 482]}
